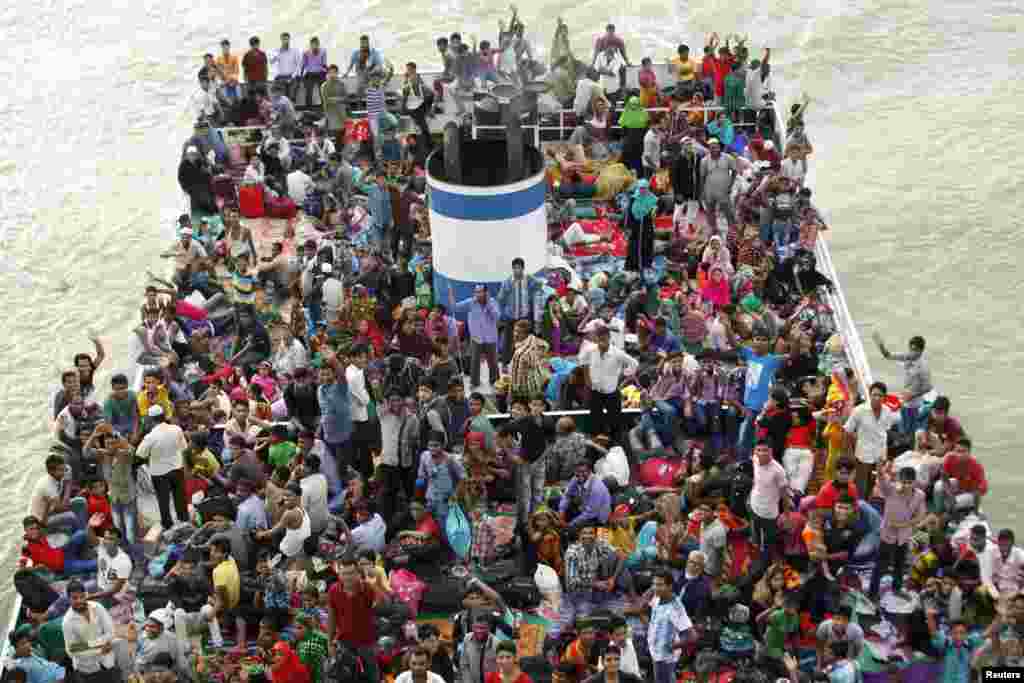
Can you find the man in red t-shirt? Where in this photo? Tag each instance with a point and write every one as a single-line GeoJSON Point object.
{"type": "Point", "coordinates": [828, 494]}
{"type": "Point", "coordinates": [963, 481]}
{"type": "Point", "coordinates": [350, 617]}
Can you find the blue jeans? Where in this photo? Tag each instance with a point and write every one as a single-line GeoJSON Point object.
{"type": "Point", "coordinates": [73, 562]}
{"type": "Point", "coordinates": [745, 440]}
{"type": "Point", "coordinates": [661, 419]}
{"type": "Point", "coordinates": [664, 672]}
{"type": "Point", "coordinates": [314, 312]}
{"type": "Point", "coordinates": [125, 519]}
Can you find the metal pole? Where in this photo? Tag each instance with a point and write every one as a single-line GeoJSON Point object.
{"type": "Point", "coordinates": [514, 139]}
{"type": "Point", "coordinates": [453, 153]}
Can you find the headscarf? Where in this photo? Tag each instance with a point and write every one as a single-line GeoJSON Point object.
{"type": "Point", "coordinates": [644, 201]}
{"type": "Point", "coordinates": [634, 116]}
{"type": "Point", "coordinates": [722, 259]}
{"type": "Point", "coordinates": [291, 669]}
{"type": "Point", "coordinates": [719, 292]}
{"type": "Point", "coordinates": [751, 304]}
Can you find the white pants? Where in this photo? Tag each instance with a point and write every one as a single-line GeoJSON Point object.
{"type": "Point", "coordinates": [799, 465]}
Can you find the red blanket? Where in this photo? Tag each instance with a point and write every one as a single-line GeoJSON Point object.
{"type": "Point", "coordinates": [602, 226]}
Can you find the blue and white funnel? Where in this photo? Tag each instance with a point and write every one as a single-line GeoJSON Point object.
{"type": "Point", "coordinates": [480, 224]}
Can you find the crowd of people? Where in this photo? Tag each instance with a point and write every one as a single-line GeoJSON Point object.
{"type": "Point", "coordinates": [322, 477]}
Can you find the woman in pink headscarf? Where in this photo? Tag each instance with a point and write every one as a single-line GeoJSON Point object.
{"type": "Point", "coordinates": [715, 289]}
{"type": "Point", "coordinates": [717, 254]}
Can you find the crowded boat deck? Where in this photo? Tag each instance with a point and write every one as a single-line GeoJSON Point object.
{"type": "Point", "coordinates": [339, 451]}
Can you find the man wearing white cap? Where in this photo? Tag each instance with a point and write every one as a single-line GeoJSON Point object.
{"type": "Point", "coordinates": [158, 648]}
{"type": "Point", "coordinates": [163, 448]}
{"type": "Point", "coordinates": [186, 253]}
{"type": "Point", "coordinates": [718, 173]}
{"type": "Point", "coordinates": [195, 180]}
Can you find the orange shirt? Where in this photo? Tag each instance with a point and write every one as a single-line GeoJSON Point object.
{"type": "Point", "coordinates": [229, 65]}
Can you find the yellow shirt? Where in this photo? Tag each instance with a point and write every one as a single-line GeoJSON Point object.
{"type": "Point", "coordinates": [623, 538]}
{"type": "Point", "coordinates": [684, 71]}
{"type": "Point", "coordinates": [225, 575]}
{"type": "Point", "coordinates": [205, 465]}
{"type": "Point", "coordinates": [163, 400]}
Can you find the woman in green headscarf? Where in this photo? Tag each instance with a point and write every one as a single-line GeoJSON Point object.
{"type": "Point", "coordinates": [639, 218]}
{"type": "Point", "coordinates": [633, 122]}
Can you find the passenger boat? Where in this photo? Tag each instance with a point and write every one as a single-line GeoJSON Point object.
{"type": "Point", "coordinates": [556, 126]}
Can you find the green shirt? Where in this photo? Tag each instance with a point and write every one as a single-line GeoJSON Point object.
{"type": "Point", "coordinates": [312, 651]}
{"type": "Point", "coordinates": [780, 625]}
{"type": "Point", "coordinates": [50, 640]}
{"type": "Point", "coordinates": [281, 454]}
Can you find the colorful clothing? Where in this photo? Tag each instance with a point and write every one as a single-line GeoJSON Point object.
{"type": "Point", "coordinates": [583, 564]}
{"type": "Point", "coordinates": [312, 651]}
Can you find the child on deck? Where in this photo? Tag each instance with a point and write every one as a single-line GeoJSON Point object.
{"type": "Point", "coordinates": [814, 538]}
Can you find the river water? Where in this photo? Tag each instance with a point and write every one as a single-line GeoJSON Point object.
{"type": "Point", "coordinates": [914, 105]}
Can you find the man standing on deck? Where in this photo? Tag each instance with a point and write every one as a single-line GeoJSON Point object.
{"type": "Point", "coordinates": [163, 448]}
{"type": "Point", "coordinates": [917, 380]}
{"type": "Point", "coordinates": [88, 638]}
{"type": "Point", "coordinates": [652, 145]}
{"type": "Point", "coordinates": [287, 61]}
{"type": "Point", "coordinates": [350, 615]}
{"type": "Point", "coordinates": [336, 413]}
{"type": "Point", "coordinates": [516, 300]}
{"type": "Point", "coordinates": [609, 40]}
{"type": "Point", "coordinates": [868, 427]}
{"type": "Point", "coordinates": [482, 319]}
{"type": "Point", "coordinates": [718, 173]}
{"type": "Point", "coordinates": [255, 66]}
{"type": "Point", "coordinates": [363, 437]}
{"type": "Point", "coordinates": [604, 366]}
{"type": "Point", "coordinates": [313, 69]}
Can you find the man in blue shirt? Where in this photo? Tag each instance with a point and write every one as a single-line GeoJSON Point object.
{"type": "Point", "coordinates": [761, 368]}
{"type": "Point", "coordinates": [379, 202]}
{"type": "Point", "coordinates": [482, 320]}
{"type": "Point", "coordinates": [663, 340]}
{"type": "Point", "coordinates": [336, 413]}
{"type": "Point", "coordinates": [517, 301]}
{"type": "Point", "coordinates": [364, 60]}
{"type": "Point", "coordinates": [586, 499]}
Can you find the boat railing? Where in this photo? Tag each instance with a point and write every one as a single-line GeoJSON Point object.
{"type": "Point", "coordinates": [564, 129]}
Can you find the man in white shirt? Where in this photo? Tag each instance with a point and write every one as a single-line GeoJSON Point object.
{"type": "Point", "coordinates": [604, 367]}
{"type": "Point", "coordinates": [299, 183]}
{"type": "Point", "coordinates": [770, 485]}
{"type": "Point", "coordinates": [113, 566]}
{"type": "Point", "coordinates": [586, 88]}
{"type": "Point", "coordinates": [332, 294]}
{"type": "Point", "coordinates": [48, 504]}
{"type": "Point", "coordinates": [652, 146]}
{"type": "Point", "coordinates": [419, 669]}
{"type": "Point", "coordinates": [1008, 572]}
{"type": "Point", "coordinates": [287, 61]}
{"type": "Point", "coordinates": [284, 151]}
{"type": "Point", "coordinates": [88, 637]}
{"type": "Point", "coordinates": [612, 68]}
{"type": "Point", "coordinates": [163, 448]}
{"type": "Point", "coordinates": [314, 493]}
{"type": "Point", "coordinates": [203, 104]}
{"type": "Point", "coordinates": [363, 437]}
{"type": "Point", "coordinates": [869, 426]}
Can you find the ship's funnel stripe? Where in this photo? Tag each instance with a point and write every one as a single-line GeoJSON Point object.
{"type": "Point", "coordinates": [496, 206]}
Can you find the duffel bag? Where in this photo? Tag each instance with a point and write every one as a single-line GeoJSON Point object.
{"type": "Point", "coordinates": [281, 207]}
{"type": "Point", "coordinates": [250, 200]}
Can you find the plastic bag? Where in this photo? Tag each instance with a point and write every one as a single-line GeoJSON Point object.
{"type": "Point", "coordinates": [546, 579]}
{"type": "Point", "coordinates": [614, 178]}
{"type": "Point", "coordinates": [646, 546]}
{"type": "Point", "coordinates": [458, 530]}
{"type": "Point", "coordinates": [614, 465]}
{"type": "Point", "coordinates": [408, 588]}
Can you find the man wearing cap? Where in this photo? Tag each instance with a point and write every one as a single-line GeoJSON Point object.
{"type": "Point", "coordinates": [37, 668]}
{"type": "Point", "coordinates": [482, 317]}
{"type": "Point", "coordinates": [163, 448]}
{"type": "Point", "coordinates": [88, 637]}
{"type": "Point", "coordinates": [159, 648]}
{"type": "Point", "coordinates": [717, 174]}
{"type": "Point", "coordinates": [202, 103]}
